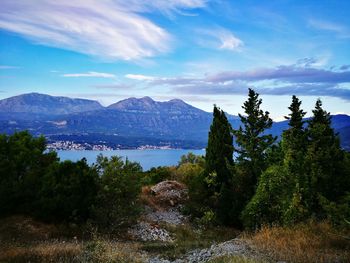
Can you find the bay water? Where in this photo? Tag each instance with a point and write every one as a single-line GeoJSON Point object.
{"type": "Point", "coordinates": [147, 158]}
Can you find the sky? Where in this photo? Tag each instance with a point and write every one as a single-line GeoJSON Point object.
{"type": "Point", "coordinates": [204, 52]}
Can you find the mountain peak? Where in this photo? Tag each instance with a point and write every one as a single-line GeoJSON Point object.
{"type": "Point", "coordinates": [147, 99]}
{"type": "Point", "coordinates": [177, 101]}
{"type": "Point", "coordinates": [135, 104]}
{"type": "Point", "coordinates": [149, 105]}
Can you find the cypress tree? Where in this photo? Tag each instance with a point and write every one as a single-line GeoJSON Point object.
{"type": "Point", "coordinates": [218, 170]}
{"type": "Point", "coordinates": [219, 152]}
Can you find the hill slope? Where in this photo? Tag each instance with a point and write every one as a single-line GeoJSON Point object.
{"type": "Point", "coordinates": [35, 103]}
{"type": "Point", "coordinates": [132, 121]}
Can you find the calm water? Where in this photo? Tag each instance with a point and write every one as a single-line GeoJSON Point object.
{"type": "Point", "coordinates": [147, 158]}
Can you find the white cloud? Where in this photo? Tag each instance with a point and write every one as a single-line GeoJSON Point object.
{"type": "Point", "coordinates": [106, 29]}
{"type": "Point", "coordinates": [229, 41]}
{"type": "Point", "coordinates": [139, 77]}
{"type": "Point", "coordinates": [220, 38]}
{"type": "Point", "coordinates": [167, 7]}
{"type": "Point", "coordinates": [89, 74]}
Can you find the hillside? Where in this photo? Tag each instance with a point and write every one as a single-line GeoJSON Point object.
{"type": "Point", "coordinates": [35, 103]}
{"type": "Point", "coordinates": [130, 123]}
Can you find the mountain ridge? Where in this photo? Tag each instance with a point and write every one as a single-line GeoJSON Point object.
{"type": "Point", "coordinates": [46, 104]}
{"type": "Point", "coordinates": [131, 118]}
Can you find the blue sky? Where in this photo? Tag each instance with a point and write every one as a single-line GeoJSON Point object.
{"type": "Point", "coordinates": [203, 52]}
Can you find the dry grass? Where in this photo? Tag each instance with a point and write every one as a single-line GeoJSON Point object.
{"type": "Point", "coordinates": [187, 239]}
{"type": "Point", "coordinates": [234, 259]}
{"type": "Point", "coordinates": [23, 239]}
{"type": "Point", "coordinates": [22, 229]}
{"type": "Point", "coordinates": [101, 250]}
{"type": "Point", "coordinates": [42, 252]}
{"type": "Point", "coordinates": [312, 242]}
{"type": "Point", "coordinates": [147, 198]}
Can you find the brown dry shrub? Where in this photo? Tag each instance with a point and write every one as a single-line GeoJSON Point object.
{"type": "Point", "coordinates": [42, 252]}
{"type": "Point", "coordinates": [21, 228]}
{"type": "Point", "coordinates": [311, 242]}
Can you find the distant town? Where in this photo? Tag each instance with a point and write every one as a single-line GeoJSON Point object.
{"type": "Point", "coordinates": [74, 146]}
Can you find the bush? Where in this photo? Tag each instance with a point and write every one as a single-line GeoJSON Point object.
{"type": "Point", "coordinates": [270, 200]}
{"type": "Point", "coordinates": [23, 162]}
{"type": "Point", "coordinates": [187, 171]}
{"type": "Point", "coordinates": [117, 203]}
{"type": "Point", "coordinates": [156, 175]}
{"type": "Point", "coordinates": [68, 192]}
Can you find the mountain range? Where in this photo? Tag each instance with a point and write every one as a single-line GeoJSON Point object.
{"type": "Point", "coordinates": [128, 123]}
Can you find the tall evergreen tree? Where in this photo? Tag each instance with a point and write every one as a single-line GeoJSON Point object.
{"type": "Point", "coordinates": [219, 152]}
{"type": "Point", "coordinates": [279, 197]}
{"type": "Point", "coordinates": [296, 186]}
{"type": "Point", "coordinates": [251, 140]}
{"type": "Point", "coordinates": [218, 170]}
{"type": "Point", "coordinates": [324, 156]}
{"type": "Point", "coordinates": [294, 139]}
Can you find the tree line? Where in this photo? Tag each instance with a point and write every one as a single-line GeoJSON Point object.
{"type": "Point", "coordinates": [247, 177]}
{"type": "Point", "coordinates": [251, 179]}
{"type": "Point", "coordinates": [35, 182]}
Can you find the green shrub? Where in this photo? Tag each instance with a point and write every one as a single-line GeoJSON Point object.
{"type": "Point", "coordinates": [270, 200]}
{"type": "Point", "coordinates": [156, 175]}
{"type": "Point", "coordinates": [68, 192]}
{"type": "Point", "coordinates": [117, 203]}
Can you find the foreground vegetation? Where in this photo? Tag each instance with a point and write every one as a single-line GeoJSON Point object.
{"type": "Point", "coordinates": [304, 176]}
{"type": "Point", "coordinates": [291, 197]}
{"type": "Point", "coordinates": [23, 239]}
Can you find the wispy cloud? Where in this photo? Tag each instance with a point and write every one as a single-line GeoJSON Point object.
{"type": "Point", "coordinates": [287, 73]}
{"type": "Point", "coordinates": [337, 28]}
{"type": "Point", "coordinates": [220, 38]}
{"type": "Point", "coordinates": [169, 7]}
{"type": "Point", "coordinates": [8, 67]}
{"type": "Point", "coordinates": [139, 77]}
{"type": "Point", "coordinates": [299, 79]}
{"type": "Point", "coordinates": [112, 30]}
{"type": "Point", "coordinates": [90, 74]}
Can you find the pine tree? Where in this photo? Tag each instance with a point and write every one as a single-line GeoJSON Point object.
{"type": "Point", "coordinates": [279, 197]}
{"type": "Point", "coordinates": [296, 186]}
{"type": "Point", "coordinates": [324, 156]}
{"type": "Point", "coordinates": [251, 140]}
{"type": "Point", "coordinates": [294, 139]}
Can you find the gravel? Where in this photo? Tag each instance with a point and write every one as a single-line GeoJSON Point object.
{"type": "Point", "coordinates": [146, 232]}
{"type": "Point", "coordinates": [171, 216]}
{"type": "Point", "coordinates": [232, 247]}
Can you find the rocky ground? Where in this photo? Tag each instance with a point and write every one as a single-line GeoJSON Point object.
{"type": "Point", "coordinates": [234, 247]}
{"type": "Point", "coordinates": [163, 207]}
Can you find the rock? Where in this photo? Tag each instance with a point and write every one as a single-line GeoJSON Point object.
{"type": "Point", "coordinates": [169, 193]}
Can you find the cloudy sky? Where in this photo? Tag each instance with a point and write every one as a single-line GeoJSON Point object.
{"type": "Point", "coordinates": [201, 51]}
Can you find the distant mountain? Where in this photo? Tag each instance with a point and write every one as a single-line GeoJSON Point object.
{"type": "Point", "coordinates": [35, 103]}
{"type": "Point", "coordinates": [131, 121]}
{"type": "Point", "coordinates": [133, 117]}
